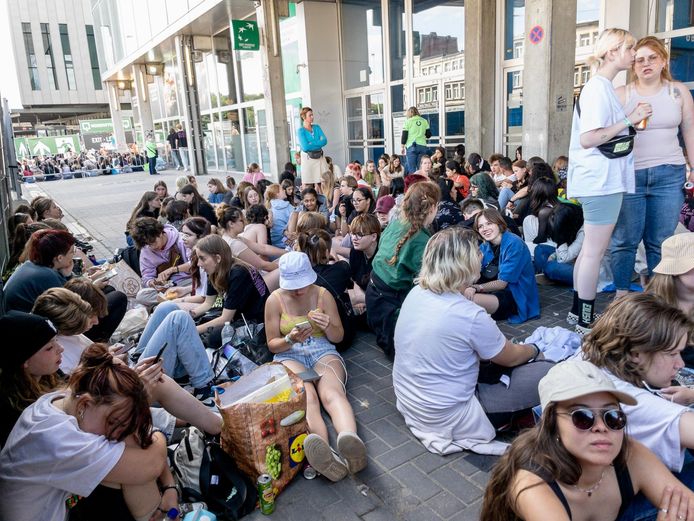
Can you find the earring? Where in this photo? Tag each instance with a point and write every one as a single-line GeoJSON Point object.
{"type": "Point", "coordinates": [81, 414]}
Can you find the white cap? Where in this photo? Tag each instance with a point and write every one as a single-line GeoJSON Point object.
{"type": "Point", "coordinates": [296, 271]}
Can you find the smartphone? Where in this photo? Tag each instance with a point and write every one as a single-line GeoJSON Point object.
{"type": "Point", "coordinates": [108, 275]}
{"type": "Point", "coordinates": [309, 375]}
{"type": "Point", "coordinates": [161, 351]}
{"type": "Point", "coordinates": [304, 325]}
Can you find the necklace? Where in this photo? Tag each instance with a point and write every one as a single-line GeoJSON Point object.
{"type": "Point", "coordinates": [592, 489]}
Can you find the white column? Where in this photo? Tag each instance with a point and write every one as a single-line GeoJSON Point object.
{"type": "Point", "coordinates": [144, 108]}
{"type": "Point", "coordinates": [116, 116]}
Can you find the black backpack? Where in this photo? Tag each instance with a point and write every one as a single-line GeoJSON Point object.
{"type": "Point", "coordinates": [206, 473]}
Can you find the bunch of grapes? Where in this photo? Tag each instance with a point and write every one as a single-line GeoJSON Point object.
{"type": "Point", "coordinates": [273, 461]}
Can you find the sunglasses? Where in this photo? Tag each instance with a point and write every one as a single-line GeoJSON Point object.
{"type": "Point", "coordinates": [584, 419]}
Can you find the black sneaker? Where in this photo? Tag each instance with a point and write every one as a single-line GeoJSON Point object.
{"type": "Point", "coordinates": [205, 394]}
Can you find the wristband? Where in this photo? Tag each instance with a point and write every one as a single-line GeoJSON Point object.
{"type": "Point", "coordinates": [288, 339]}
{"type": "Point", "coordinates": [537, 353]}
{"type": "Point", "coordinates": [627, 122]}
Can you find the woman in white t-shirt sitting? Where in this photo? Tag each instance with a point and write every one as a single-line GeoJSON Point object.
{"type": "Point", "coordinates": [436, 371]}
{"type": "Point", "coordinates": [638, 342]}
{"type": "Point", "coordinates": [96, 431]}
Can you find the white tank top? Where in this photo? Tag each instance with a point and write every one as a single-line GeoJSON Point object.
{"type": "Point", "coordinates": [658, 143]}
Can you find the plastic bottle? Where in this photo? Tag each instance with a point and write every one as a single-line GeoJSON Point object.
{"type": "Point", "coordinates": [238, 363]}
{"type": "Point", "coordinates": [227, 333]}
{"type": "Point", "coordinates": [191, 507]}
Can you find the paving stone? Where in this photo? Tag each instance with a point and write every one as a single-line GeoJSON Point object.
{"type": "Point", "coordinates": [377, 447]}
{"type": "Point", "coordinates": [445, 504]}
{"type": "Point", "coordinates": [481, 478]}
{"type": "Point", "coordinates": [429, 462]}
{"type": "Point", "coordinates": [399, 455]}
{"type": "Point", "coordinates": [470, 513]}
{"type": "Point", "coordinates": [349, 490]}
{"type": "Point", "coordinates": [418, 483]}
{"type": "Point", "coordinates": [389, 433]}
{"type": "Point", "coordinates": [481, 461]}
{"type": "Point", "coordinates": [422, 513]}
{"type": "Point", "coordinates": [379, 514]}
{"type": "Point", "coordinates": [457, 485]}
{"type": "Point", "coordinates": [374, 413]}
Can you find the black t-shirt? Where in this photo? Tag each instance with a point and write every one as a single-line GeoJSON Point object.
{"type": "Point", "coordinates": [205, 210]}
{"type": "Point", "coordinates": [336, 278]}
{"type": "Point", "coordinates": [360, 267]}
{"type": "Point", "coordinates": [246, 293]}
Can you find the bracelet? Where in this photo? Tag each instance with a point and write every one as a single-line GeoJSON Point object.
{"type": "Point", "coordinates": [167, 487]}
{"type": "Point", "coordinates": [537, 353]}
{"type": "Point", "coordinates": [627, 122]}
{"type": "Point", "coordinates": [288, 339]}
{"type": "Point", "coordinates": [177, 270]}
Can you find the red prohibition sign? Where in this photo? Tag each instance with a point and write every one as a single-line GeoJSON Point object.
{"type": "Point", "coordinates": [536, 34]}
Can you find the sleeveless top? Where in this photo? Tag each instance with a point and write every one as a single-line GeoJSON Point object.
{"type": "Point", "coordinates": [657, 144]}
{"type": "Point", "coordinates": [626, 487]}
{"type": "Point", "coordinates": [288, 322]}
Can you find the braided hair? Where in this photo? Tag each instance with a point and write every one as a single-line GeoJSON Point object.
{"type": "Point", "coordinates": [418, 203]}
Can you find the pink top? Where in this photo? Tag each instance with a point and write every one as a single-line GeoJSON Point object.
{"type": "Point", "coordinates": [657, 144]}
{"type": "Point", "coordinates": [253, 177]}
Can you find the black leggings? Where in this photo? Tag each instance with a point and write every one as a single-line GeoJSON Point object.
{"type": "Point", "coordinates": [382, 309]}
{"type": "Point", "coordinates": [117, 306]}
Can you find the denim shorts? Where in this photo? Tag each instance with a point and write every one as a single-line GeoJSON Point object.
{"type": "Point", "coordinates": [601, 209]}
{"type": "Point", "coordinates": [308, 353]}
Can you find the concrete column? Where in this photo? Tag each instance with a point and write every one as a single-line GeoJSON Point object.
{"type": "Point", "coordinates": [320, 73]}
{"type": "Point", "coordinates": [632, 15]}
{"type": "Point", "coordinates": [191, 107]}
{"type": "Point", "coordinates": [144, 108]}
{"type": "Point", "coordinates": [548, 77]}
{"type": "Point", "coordinates": [480, 75]}
{"type": "Point", "coordinates": [116, 116]}
{"type": "Point", "coordinates": [267, 13]}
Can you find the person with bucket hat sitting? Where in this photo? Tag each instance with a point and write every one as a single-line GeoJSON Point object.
{"type": "Point", "coordinates": [578, 463]}
{"type": "Point", "coordinates": [303, 325]}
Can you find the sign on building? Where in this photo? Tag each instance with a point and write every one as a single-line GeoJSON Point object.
{"type": "Point", "coordinates": [28, 147]}
{"type": "Point", "coordinates": [99, 132]}
{"type": "Point", "coordinates": [246, 35]}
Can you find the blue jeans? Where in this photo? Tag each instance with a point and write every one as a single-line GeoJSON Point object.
{"type": "Point", "coordinates": [562, 272]}
{"type": "Point", "coordinates": [413, 153]}
{"type": "Point", "coordinates": [640, 509]}
{"type": "Point", "coordinates": [650, 215]}
{"type": "Point", "coordinates": [152, 161]}
{"type": "Point", "coordinates": [185, 354]}
{"type": "Point", "coordinates": [505, 195]}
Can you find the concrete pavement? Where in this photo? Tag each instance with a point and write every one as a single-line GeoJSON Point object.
{"type": "Point", "coordinates": [402, 481]}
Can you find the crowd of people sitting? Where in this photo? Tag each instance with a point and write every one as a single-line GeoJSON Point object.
{"type": "Point", "coordinates": [429, 256]}
{"type": "Point", "coordinates": [70, 165]}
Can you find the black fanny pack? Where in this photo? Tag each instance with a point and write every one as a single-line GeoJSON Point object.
{"type": "Point", "coordinates": [618, 146]}
{"type": "Point", "coordinates": [315, 154]}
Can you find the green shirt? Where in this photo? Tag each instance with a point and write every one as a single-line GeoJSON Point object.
{"type": "Point", "coordinates": [151, 148]}
{"type": "Point", "coordinates": [416, 127]}
{"type": "Point", "coordinates": [399, 276]}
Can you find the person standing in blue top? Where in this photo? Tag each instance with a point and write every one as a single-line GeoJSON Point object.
{"type": "Point", "coordinates": [507, 287]}
{"type": "Point", "coordinates": [311, 141]}
{"type": "Point", "coordinates": [152, 153]}
{"type": "Point", "coordinates": [415, 133]}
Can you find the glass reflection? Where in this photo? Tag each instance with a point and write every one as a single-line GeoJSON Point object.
{"type": "Point", "coordinates": [397, 25]}
{"type": "Point", "coordinates": [514, 29]}
{"type": "Point", "coordinates": [682, 58]}
{"type": "Point", "coordinates": [674, 14]}
{"type": "Point", "coordinates": [438, 37]}
{"type": "Point", "coordinates": [362, 45]}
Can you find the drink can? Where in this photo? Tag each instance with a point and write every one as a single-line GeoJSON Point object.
{"type": "Point", "coordinates": [266, 496]}
{"type": "Point", "coordinates": [689, 188]}
{"type": "Point", "coordinates": [641, 125]}
{"type": "Point", "coordinates": [309, 472]}
{"type": "Point", "coordinates": [77, 266]}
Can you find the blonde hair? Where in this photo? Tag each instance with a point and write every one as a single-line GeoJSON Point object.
{"type": "Point", "coordinates": [411, 112]}
{"type": "Point", "coordinates": [451, 261]}
{"type": "Point", "coordinates": [328, 184]}
{"type": "Point", "coordinates": [659, 48]}
{"type": "Point", "coordinates": [271, 192]}
{"type": "Point", "coordinates": [665, 287]}
{"type": "Point", "coordinates": [181, 181]}
{"type": "Point", "coordinates": [310, 221]}
{"type": "Point", "coordinates": [609, 40]}
{"type": "Point", "coordinates": [67, 310]}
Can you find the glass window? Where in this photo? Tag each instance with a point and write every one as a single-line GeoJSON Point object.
{"type": "Point", "coordinates": [154, 100]}
{"type": "Point", "coordinates": [438, 33]}
{"type": "Point", "coordinates": [218, 134]}
{"type": "Point", "coordinates": [170, 90]}
{"type": "Point", "coordinates": [588, 11]}
{"type": "Point", "coordinates": [514, 111]}
{"type": "Point", "coordinates": [397, 25]}
{"type": "Point", "coordinates": [202, 83]}
{"type": "Point", "coordinates": [354, 123]}
{"type": "Point", "coordinates": [251, 75]}
{"type": "Point", "coordinates": [682, 58]}
{"type": "Point", "coordinates": [93, 57]}
{"type": "Point", "coordinates": [362, 45]}
{"type": "Point", "coordinates": [584, 39]}
{"type": "Point", "coordinates": [674, 14]}
{"type": "Point", "coordinates": [48, 54]}
{"type": "Point", "coordinates": [374, 117]}
{"type": "Point", "coordinates": [67, 57]}
{"type": "Point", "coordinates": [514, 33]}
{"type": "Point", "coordinates": [585, 75]}
{"type": "Point", "coordinates": [208, 141]}
{"type": "Point", "coordinates": [577, 76]}
{"type": "Point", "coordinates": [226, 86]}
{"type": "Point", "coordinates": [250, 136]}
{"type": "Point", "coordinates": [454, 106]}
{"type": "Point", "coordinates": [31, 56]}
{"type": "Point", "coordinates": [233, 150]}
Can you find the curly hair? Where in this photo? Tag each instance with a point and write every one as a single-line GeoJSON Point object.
{"type": "Point", "coordinates": [145, 230]}
{"type": "Point", "coordinates": [636, 323]}
{"type": "Point", "coordinates": [419, 201]}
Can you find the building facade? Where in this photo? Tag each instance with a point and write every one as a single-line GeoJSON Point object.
{"type": "Point", "coordinates": [55, 64]}
{"type": "Point", "coordinates": [492, 74]}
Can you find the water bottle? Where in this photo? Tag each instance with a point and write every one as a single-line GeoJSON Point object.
{"type": "Point", "coordinates": [238, 363]}
{"type": "Point", "coordinates": [227, 333]}
{"type": "Point", "coordinates": [184, 508]}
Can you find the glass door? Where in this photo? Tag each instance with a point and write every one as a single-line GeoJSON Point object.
{"type": "Point", "coordinates": [513, 113]}
{"type": "Point", "coordinates": [365, 126]}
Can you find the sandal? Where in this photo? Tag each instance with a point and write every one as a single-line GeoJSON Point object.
{"type": "Point", "coordinates": [324, 459]}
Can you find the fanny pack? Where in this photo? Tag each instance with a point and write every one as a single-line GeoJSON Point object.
{"type": "Point", "coordinates": [315, 154]}
{"type": "Point", "coordinates": [618, 146]}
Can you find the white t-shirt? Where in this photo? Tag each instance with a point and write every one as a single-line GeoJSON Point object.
{"type": "Point", "coordinates": [46, 459]}
{"type": "Point", "coordinates": [73, 346]}
{"type": "Point", "coordinates": [655, 422]}
{"type": "Point", "coordinates": [590, 173]}
{"type": "Point", "coordinates": [438, 351]}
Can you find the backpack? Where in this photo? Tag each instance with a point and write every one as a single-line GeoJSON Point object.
{"type": "Point", "coordinates": [206, 473]}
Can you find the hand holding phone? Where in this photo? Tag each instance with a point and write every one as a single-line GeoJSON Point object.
{"type": "Point", "coordinates": [302, 326]}
{"type": "Point", "coordinates": [161, 351]}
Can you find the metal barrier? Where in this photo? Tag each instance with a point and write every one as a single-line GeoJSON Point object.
{"type": "Point", "coordinates": [8, 184]}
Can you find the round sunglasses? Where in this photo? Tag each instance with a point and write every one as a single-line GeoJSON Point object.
{"type": "Point", "coordinates": [584, 419]}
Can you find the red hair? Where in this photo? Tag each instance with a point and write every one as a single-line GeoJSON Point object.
{"type": "Point", "coordinates": [46, 245]}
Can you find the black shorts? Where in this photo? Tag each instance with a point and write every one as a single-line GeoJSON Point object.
{"type": "Point", "coordinates": [507, 305]}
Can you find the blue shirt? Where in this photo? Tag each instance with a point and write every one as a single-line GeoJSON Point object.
{"type": "Point", "coordinates": [27, 282]}
{"type": "Point", "coordinates": [516, 269]}
{"type": "Point", "coordinates": [310, 141]}
{"type": "Point", "coordinates": [215, 198]}
{"type": "Point", "coordinates": [281, 210]}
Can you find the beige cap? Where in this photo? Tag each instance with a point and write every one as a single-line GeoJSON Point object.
{"type": "Point", "coordinates": [574, 378]}
{"type": "Point", "coordinates": [677, 255]}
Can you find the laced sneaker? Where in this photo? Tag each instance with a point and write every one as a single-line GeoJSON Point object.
{"type": "Point", "coordinates": [205, 395]}
{"type": "Point", "coordinates": [353, 450]}
{"type": "Point", "coordinates": [324, 459]}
